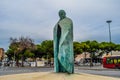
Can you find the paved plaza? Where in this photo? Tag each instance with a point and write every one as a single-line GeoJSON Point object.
{"type": "Point", "coordinates": [96, 70]}
{"type": "Point", "coordinates": [55, 76]}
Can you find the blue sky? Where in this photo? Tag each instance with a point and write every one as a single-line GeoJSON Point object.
{"type": "Point", "coordinates": [36, 19]}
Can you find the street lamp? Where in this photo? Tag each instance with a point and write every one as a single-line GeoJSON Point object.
{"type": "Point", "coordinates": [109, 21]}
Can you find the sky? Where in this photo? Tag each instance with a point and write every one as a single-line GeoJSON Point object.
{"type": "Point", "coordinates": [37, 18]}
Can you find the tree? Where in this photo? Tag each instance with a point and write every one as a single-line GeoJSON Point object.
{"type": "Point", "coordinates": [85, 47]}
{"type": "Point", "coordinates": [47, 49]}
{"type": "Point", "coordinates": [20, 47]}
{"type": "Point", "coordinates": [10, 54]}
{"type": "Point", "coordinates": [13, 50]}
{"type": "Point", "coordinates": [25, 44]}
{"type": "Point", "coordinates": [38, 52]}
{"type": "Point", "coordinates": [117, 47]}
{"type": "Point", "coordinates": [24, 47]}
{"type": "Point", "coordinates": [93, 48]}
{"type": "Point", "coordinates": [77, 48]}
{"type": "Point", "coordinates": [107, 47]}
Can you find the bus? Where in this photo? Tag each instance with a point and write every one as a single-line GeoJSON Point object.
{"type": "Point", "coordinates": [112, 62]}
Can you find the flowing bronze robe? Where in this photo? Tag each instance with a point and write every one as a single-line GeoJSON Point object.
{"type": "Point", "coordinates": [63, 46]}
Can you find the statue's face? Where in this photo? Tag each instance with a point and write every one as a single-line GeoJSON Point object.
{"type": "Point", "coordinates": [62, 14]}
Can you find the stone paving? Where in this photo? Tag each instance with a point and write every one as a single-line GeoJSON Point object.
{"type": "Point", "coordinates": [55, 76]}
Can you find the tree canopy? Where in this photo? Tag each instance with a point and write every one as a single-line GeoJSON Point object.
{"type": "Point", "coordinates": [25, 47]}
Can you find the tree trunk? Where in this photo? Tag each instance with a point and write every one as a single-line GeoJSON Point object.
{"type": "Point", "coordinates": [84, 61]}
{"type": "Point", "coordinates": [91, 63]}
{"type": "Point", "coordinates": [22, 59]}
{"type": "Point", "coordinates": [17, 63]}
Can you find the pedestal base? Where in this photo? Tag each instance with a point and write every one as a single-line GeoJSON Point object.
{"type": "Point", "coordinates": [54, 76]}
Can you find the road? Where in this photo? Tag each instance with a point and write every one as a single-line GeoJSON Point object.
{"type": "Point", "coordinates": [96, 71]}
{"type": "Point", "coordinates": [111, 73]}
{"type": "Point", "coordinates": [18, 70]}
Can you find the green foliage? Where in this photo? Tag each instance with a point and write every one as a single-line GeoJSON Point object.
{"type": "Point", "coordinates": [85, 46]}
{"type": "Point", "coordinates": [38, 51]}
{"type": "Point", "coordinates": [28, 53]}
{"type": "Point", "coordinates": [18, 48]}
{"type": "Point", "coordinates": [117, 47]}
{"type": "Point", "coordinates": [25, 47]}
{"type": "Point", "coordinates": [47, 48]}
{"type": "Point", "coordinates": [106, 46]}
{"type": "Point", "coordinates": [10, 54]}
{"type": "Point", "coordinates": [77, 48]}
{"type": "Point", "coordinates": [93, 46]}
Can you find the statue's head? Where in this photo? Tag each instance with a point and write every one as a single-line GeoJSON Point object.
{"type": "Point", "coordinates": [62, 14]}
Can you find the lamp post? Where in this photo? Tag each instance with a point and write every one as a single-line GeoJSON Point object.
{"type": "Point", "coordinates": [109, 21]}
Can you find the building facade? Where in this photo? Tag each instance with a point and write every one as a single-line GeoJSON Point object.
{"type": "Point", "coordinates": [1, 54]}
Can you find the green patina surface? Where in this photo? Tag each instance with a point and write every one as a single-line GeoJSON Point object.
{"type": "Point", "coordinates": [63, 45]}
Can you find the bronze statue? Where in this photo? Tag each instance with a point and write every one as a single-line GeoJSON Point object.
{"type": "Point", "coordinates": [63, 44]}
